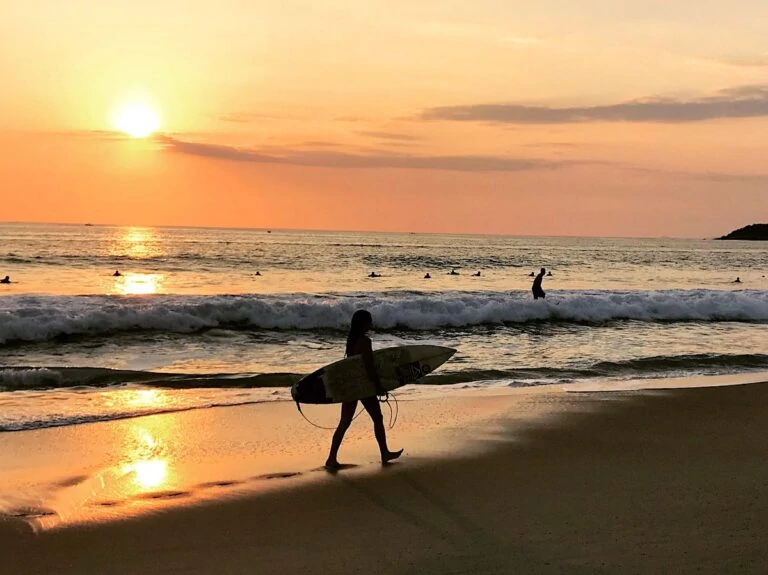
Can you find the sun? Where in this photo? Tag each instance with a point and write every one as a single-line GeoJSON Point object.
{"type": "Point", "coordinates": [136, 119]}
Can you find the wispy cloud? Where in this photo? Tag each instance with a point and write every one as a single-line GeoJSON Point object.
{"type": "Point", "coordinates": [389, 136]}
{"type": "Point", "coordinates": [369, 160]}
{"type": "Point", "coordinates": [552, 145]}
{"type": "Point", "coordinates": [353, 119]}
{"type": "Point", "coordinates": [463, 31]}
{"type": "Point", "coordinates": [111, 135]}
{"type": "Point", "coordinates": [320, 144]}
{"type": "Point", "coordinates": [746, 61]}
{"type": "Point", "coordinates": [740, 102]}
{"type": "Point", "coordinates": [706, 176]}
{"type": "Point", "coordinates": [249, 117]}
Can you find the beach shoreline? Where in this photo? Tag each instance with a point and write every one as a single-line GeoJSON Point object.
{"type": "Point", "coordinates": [532, 481]}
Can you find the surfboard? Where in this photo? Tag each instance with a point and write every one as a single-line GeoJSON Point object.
{"type": "Point", "coordinates": [347, 380]}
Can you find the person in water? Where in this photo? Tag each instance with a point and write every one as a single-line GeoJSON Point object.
{"type": "Point", "coordinates": [453, 272]}
{"type": "Point", "coordinates": [737, 280]}
{"type": "Point", "coordinates": [358, 343]}
{"type": "Point", "coordinates": [427, 276]}
{"type": "Point", "coordinates": [532, 274]}
{"type": "Point", "coordinates": [537, 290]}
{"type": "Point", "coordinates": [6, 280]}
{"type": "Point", "coordinates": [374, 275]}
{"type": "Point", "coordinates": [117, 274]}
{"type": "Point", "coordinates": [476, 275]}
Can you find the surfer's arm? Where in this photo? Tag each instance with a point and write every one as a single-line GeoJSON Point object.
{"type": "Point", "coordinates": [370, 366]}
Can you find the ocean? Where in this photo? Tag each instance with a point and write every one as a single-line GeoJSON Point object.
{"type": "Point", "coordinates": [188, 323]}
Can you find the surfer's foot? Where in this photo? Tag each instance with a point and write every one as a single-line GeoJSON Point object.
{"type": "Point", "coordinates": [332, 465]}
{"type": "Point", "coordinates": [390, 456]}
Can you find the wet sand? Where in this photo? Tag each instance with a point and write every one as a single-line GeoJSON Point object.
{"type": "Point", "coordinates": [534, 481]}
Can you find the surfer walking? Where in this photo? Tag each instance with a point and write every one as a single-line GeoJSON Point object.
{"type": "Point", "coordinates": [538, 291]}
{"type": "Point", "coordinates": [358, 343]}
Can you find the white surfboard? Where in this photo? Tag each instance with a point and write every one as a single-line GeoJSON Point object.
{"type": "Point", "coordinates": [347, 380]}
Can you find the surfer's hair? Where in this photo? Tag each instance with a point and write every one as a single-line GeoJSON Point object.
{"type": "Point", "coordinates": [361, 319]}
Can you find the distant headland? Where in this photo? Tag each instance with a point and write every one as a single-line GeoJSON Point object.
{"type": "Point", "coordinates": [754, 232]}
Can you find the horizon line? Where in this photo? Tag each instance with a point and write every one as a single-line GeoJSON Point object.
{"type": "Point", "coordinates": [350, 231]}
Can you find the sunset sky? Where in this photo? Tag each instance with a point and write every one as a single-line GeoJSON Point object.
{"type": "Point", "coordinates": [554, 117]}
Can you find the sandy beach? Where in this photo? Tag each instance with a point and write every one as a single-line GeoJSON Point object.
{"type": "Point", "coordinates": [529, 481]}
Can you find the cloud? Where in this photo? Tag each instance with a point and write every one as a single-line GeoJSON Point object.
{"type": "Point", "coordinates": [552, 145]}
{"type": "Point", "coordinates": [739, 102]}
{"type": "Point", "coordinates": [353, 119]}
{"type": "Point", "coordinates": [320, 144]}
{"type": "Point", "coordinates": [370, 160]}
{"type": "Point", "coordinates": [708, 176]}
{"type": "Point", "coordinates": [747, 61]}
{"type": "Point", "coordinates": [249, 117]}
{"type": "Point", "coordinates": [464, 31]}
{"type": "Point", "coordinates": [389, 136]}
{"type": "Point", "coordinates": [110, 135]}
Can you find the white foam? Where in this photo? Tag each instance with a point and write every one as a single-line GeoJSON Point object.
{"type": "Point", "coordinates": [40, 318]}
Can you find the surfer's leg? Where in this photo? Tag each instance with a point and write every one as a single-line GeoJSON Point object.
{"type": "Point", "coordinates": [372, 406]}
{"type": "Point", "coordinates": [347, 415]}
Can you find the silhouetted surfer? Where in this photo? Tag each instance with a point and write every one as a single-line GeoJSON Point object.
{"type": "Point", "coordinates": [427, 276]}
{"type": "Point", "coordinates": [737, 280]}
{"type": "Point", "coordinates": [532, 274]}
{"type": "Point", "coordinates": [117, 274]}
{"type": "Point", "coordinates": [374, 275]}
{"type": "Point", "coordinates": [476, 275]}
{"type": "Point", "coordinates": [6, 280]}
{"type": "Point", "coordinates": [358, 343]}
{"type": "Point", "coordinates": [257, 273]}
{"type": "Point", "coordinates": [537, 290]}
{"type": "Point", "coordinates": [453, 272]}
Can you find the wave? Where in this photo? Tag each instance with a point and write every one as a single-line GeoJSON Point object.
{"type": "Point", "coordinates": [65, 420]}
{"type": "Point", "coordinates": [28, 378]}
{"type": "Point", "coordinates": [42, 318]}
{"type": "Point", "coordinates": [31, 378]}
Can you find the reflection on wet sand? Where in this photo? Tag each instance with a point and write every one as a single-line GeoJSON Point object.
{"type": "Point", "coordinates": [146, 467]}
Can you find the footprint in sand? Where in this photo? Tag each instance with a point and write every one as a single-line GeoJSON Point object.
{"type": "Point", "coordinates": [341, 467]}
{"type": "Point", "coordinates": [279, 475]}
{"type": "Point", "coordinates": [28, 513]}
{"type": "Point", "coordinates": [164, 495]}
{"type": "Point", "coordinates": [212, 484]}
{"type": "Point", "coordinates": [71, 481]}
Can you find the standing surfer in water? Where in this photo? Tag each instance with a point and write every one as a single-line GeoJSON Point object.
{"type": "Point", "coordinates": [358, 343]}
{"type": "Point", "coordinates": [538, 291]}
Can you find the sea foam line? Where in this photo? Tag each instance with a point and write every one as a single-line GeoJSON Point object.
{"type": "Point", "coordinates": [41, 318]}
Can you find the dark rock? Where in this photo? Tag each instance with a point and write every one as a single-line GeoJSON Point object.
{"type": "Point", "coordinates": [754, 232]}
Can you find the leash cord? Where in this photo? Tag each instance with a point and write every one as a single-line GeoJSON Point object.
{"type": "Point", "coordinates": [393, 413]}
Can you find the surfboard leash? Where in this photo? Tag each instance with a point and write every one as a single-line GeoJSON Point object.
{"type": "Point", "coordinates": [298, 406]}
{"type": "Point", "coordinates": [393, 413]}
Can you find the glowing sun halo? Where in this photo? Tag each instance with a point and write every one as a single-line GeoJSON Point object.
{"type": "Point", "coordinates": [138, 120]}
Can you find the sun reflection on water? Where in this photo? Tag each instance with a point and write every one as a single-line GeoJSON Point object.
{"type": "Point", "coordinates": [137, 243]}
{"type": "Point", "coordinates": [138, 284]}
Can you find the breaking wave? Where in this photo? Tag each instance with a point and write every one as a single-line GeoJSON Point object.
{"type": "Point", "coordinates": [28, 378]}
{"type": "Point", "coordinates": [42, 318]}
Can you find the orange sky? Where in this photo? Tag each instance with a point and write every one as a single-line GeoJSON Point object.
{"type": "Point", "coordinates": [487, 117]}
